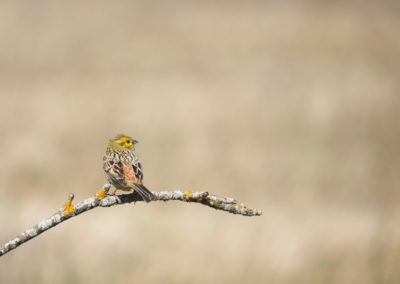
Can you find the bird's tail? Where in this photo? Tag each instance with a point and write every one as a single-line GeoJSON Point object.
{"type": "Point", "coordinates": [146, 194]}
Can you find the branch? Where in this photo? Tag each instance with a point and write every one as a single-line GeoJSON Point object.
{"type": "Point", "coordinates": [102, 199]}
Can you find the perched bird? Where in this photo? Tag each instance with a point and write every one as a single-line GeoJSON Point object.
{"type": "Point", "coordinates": [123, 168]}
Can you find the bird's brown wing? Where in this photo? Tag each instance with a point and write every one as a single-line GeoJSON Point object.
{"type": "Point", "coordinates": [114, 171]}
{"type": "Point", "coordinates": [137, 168]}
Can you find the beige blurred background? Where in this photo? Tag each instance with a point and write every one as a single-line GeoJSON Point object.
{"type": "Point", "coordinates": [291, 108]}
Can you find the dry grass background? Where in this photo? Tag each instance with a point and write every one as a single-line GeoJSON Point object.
{"type": "Point", "coordinates": [291, 108]}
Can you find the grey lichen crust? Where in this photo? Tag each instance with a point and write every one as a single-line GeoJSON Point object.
{"type": "Point", "coordinates": [220, 203]}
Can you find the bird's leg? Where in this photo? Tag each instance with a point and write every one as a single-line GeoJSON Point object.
{"type": "Point", "coordinates": [115, 190]}
{"type": "Point", "coordinates": [103, 192]}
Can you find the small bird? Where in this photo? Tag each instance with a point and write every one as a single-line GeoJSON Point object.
{"type": "Point", "coordinates": [123, 168]}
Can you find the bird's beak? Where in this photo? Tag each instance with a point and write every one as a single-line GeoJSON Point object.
{"type": "Point", "coordinates": [135, 141]}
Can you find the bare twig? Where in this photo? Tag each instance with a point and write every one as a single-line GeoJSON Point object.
{"type": "Point", "coordinates": [102, 199]}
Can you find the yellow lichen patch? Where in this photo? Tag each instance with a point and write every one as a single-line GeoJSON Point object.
{"type": "Point", "coordinates": [240, 205]}
{"type": "Point", "coordinates": [101, 194]}
{"type": "Point", "coordinates": [231, 206]}
{"type": "Point", "coordinates": [187, 193]}
{"type": "Point", "coordinates": [212, 203]}
{"type": "Point", "coordinates": [69, 208]}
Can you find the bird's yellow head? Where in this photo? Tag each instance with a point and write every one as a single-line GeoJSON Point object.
{"type": "Point", "coordinates": [122, 142]}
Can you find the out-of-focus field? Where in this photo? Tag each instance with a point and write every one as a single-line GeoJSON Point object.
{"type": "Point", "coordinates": [292, 108]}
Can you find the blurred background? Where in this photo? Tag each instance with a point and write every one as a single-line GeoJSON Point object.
{"type": "Point", "coordinates": [291, 108]}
